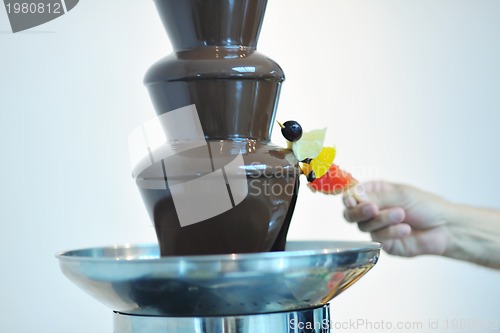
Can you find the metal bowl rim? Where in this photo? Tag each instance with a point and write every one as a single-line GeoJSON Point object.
{"type": "Point", "coordinates": [358, 246]}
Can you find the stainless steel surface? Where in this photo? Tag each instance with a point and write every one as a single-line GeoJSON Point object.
{"type": "Point", "coordinates": [315, 320]}
{"type": "Point", "coordinates": [135, 280]}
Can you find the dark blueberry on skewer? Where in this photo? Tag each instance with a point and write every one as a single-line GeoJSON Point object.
{"type": "Point", "coordinates": [291, 130]}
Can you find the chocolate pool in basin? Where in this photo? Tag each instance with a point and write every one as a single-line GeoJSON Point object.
{"type": "Point", "coordinates": [216, 99]}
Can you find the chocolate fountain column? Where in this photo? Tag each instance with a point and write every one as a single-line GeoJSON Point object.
{"type": "Point", "coordinates": [235, 90]}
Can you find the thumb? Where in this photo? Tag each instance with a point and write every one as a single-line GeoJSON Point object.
{"type": "Point", "coordinates": [383, 194]}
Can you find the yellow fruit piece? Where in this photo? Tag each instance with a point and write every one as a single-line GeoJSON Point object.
{"type": "Point", "coordinates": [323, 161]}
{"type": "Point", "coordinates": [309, 145]}
{"type": "Point", "coordinates": [305, 168]}
{"type": "Point", "coordinates": [326, 155]}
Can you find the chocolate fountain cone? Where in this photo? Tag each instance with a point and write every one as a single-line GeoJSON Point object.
{"type": "Point", "coordinates": [219, 184]}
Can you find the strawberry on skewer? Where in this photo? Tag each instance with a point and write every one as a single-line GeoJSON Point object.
{"type": "Point", "coordinates": [335, 181]}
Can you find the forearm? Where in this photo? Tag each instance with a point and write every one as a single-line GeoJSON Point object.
{"type": "Point", "coordinates": [474, 235]}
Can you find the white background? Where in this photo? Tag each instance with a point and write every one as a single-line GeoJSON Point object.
{"type": "Point", "coordinates": [410, 92]}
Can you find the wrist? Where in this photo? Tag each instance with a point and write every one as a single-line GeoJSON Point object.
{"type": "Point", "coordinates": [473, 235]}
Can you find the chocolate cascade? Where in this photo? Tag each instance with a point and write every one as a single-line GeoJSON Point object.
{"type": "Point", "coordinates": [234, 89]}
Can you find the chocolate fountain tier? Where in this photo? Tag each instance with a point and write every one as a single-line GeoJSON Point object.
{"type": "Point", "coordinates": [196, 23]}
{"type": "Point", "coordinates": [194, 213]}
{"type": "Point", "coordinates": [235, 90]}
{"type": "Point", "coordinates": [135, 280]}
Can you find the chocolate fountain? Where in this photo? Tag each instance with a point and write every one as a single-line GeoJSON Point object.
{"type": "Point", "coordinates": [221, 196]}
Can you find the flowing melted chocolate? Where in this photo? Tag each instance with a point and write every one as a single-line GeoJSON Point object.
{"type": "Point", "coordinates": [258, 224]}
{"type": "Point", "coordinates": [235, 89]}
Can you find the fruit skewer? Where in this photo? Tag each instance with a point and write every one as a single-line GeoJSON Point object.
{"type": "Point", "coordinates": [315, 160]}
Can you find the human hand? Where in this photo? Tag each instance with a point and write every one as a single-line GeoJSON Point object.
{"type": "Point", "coordinates": [407, 221]}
